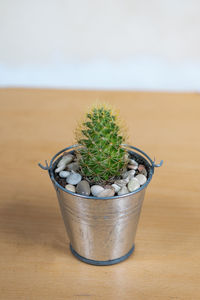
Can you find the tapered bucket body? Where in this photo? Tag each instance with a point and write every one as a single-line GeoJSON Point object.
{"type": "Point", "coordinates": [101, 230]}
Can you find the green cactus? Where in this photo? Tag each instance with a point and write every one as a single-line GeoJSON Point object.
{"type": "Point", "coordinates": [101, 157]}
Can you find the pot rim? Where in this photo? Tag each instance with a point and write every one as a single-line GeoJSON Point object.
{"type": "Point", "coordinates": [149, 161]}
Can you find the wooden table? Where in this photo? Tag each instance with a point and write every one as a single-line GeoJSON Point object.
{"type": "Point", "coordinates": [35, 260]}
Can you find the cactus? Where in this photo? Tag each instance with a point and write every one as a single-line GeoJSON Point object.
{"type": "Point", "coordinates": [101, 157]}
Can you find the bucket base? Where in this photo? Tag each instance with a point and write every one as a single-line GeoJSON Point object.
{"type": "Point", "coordinates": [99, 262]}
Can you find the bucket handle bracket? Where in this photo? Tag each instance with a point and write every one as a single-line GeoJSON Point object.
{"type": "Point", "coordinates": [157, 165]}
{"type": "Point", "coordinates": [47, 167]}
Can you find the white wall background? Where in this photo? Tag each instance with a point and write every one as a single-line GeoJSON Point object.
{"type": "Point", "coordinates": [110, 44]}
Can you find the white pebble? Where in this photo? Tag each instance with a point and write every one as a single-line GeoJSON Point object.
{"type": "Point", "coordinates": [122, 182]}
{"type": "Point", "coordinates": [59, 169]}
{"type": "Point", "coordinates": [141, 178]}
{"type": "Point", "coordinates": [106, 193]}
{"type": "Point", "coordinates": [133, 184]}
{"type": "Point", "coordinates": [66, 159]}
{"type": "Point", "coordinates": [129, 174]}
{"type": "Point", "coordinates": [73, 178]}
{"type": "Point", "coordinates": [96, 189]}
{"type": "Point", "coordinates": [64, 174]}
{"type": "Point", "coordinates": [133, 163]}
{"type": "Point", "coordinates": [70, 187]}
{"type": "Point", "coordinates": [123, 191]}
{"type": "Point", "coordinates": [116, 187]}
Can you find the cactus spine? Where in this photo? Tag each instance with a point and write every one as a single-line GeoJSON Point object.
{"type": "Point", "coordinates": [101, 157]}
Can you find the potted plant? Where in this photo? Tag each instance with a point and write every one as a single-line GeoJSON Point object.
{"type": "Point", "coordinates": [100, 184]}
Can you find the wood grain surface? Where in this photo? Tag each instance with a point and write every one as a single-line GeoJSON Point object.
{"type": "Point", "coordinates": [35, 260]}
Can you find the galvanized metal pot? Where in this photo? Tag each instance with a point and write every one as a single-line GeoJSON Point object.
{"type": "Point", "coordinates": [101, 230]}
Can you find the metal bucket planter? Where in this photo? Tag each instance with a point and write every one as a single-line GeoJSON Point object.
{"type": "Point", "coordinates": [101, 230]}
